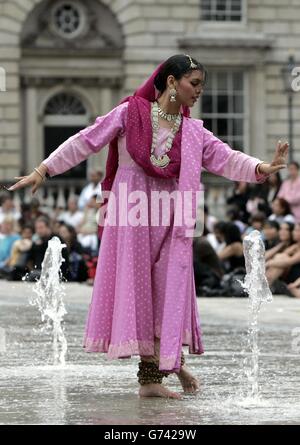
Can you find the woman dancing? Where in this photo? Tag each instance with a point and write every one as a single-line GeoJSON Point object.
{"type": "Point", "coordinates": [144, 300]}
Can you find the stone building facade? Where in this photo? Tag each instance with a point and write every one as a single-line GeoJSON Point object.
{"type": "Point", "coordinates": [64, 62]}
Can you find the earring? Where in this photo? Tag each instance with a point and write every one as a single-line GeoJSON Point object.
{"type": "Point", "coordinates": [173, 94]}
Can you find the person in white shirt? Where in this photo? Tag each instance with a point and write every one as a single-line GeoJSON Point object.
{"type": "Point", "coordinates": [73, 216]}
{"type": "Point", "coordinates": [93, 188]}
{"type": "Point", "coordinates": [8, 210]}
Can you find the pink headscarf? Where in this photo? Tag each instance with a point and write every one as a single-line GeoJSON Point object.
{"type": "Point", "coordinates": [139, 137]}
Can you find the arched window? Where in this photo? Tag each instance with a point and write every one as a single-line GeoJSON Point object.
{"type": "Point", "coordinates": [65, 104]}
{"type": "Point", "coordinates": [64, 116]}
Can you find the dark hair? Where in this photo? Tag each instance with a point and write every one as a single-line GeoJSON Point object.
{"type": "Point", "coordinates": [177, 66]}
{"type": "Point", "coordinates": [273, 224]}
{"type": "Point", "coordinates": [285, 205]}
{"type": "Point", "coordinates": [232, 233]}
{"type": "Point", "coordinates": [27, 227]}
{"type": "Point", "coordinates": [291, 227]}
{"type": "Point", "coordinates": [295, 163]}
{"type": "Point", "coordinates": [5, 198]}
{"type": "Point", "coordinates": [258, 217]}
{"type": "Point", "coordinates": [220, 226]}
{"type": "Point", "coordinates": [72, 232]}
{"type": "Point", "coordinates": [45, 220]}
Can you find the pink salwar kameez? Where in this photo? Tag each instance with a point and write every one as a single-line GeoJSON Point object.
{"type": "Point", "coordinates": [144, 285]}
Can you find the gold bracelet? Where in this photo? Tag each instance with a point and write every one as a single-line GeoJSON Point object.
{"type": "Point", "coordinates": [37, 170]}
{"type": "Point", "coordinates": [258, 168]}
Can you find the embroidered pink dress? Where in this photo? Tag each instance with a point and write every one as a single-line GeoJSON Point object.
{"type": "Point", "coordinates": [129, 307]}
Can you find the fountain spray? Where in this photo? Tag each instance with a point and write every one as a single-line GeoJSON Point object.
{"type": "Point", "coordinates": [257, 287]}
{"type": "Point", "coordinates": [49, 298]}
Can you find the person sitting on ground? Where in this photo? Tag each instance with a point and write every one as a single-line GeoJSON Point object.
{"type": "Point", "coordinates": [239, 198]}
{"type": "Point", "coordinates": [232, 255]}
{"type": "Point", "coordinates": [77, 269]}
{"type": "Point", "coordinates": [256, 223]}
{"type": "Point", "coordinates": [8, 235]}
{"type": "Point", "coordinates": [209, 220]}
{"type": "Point", "coordinates": [289, 189]}
{"type": "Point", "coordinates": [273, 184]}
{"type": "Point", "coordinates": [16, 265]}
{"type": "Point", "coordinates": [294, 288]}
{"type": "Point", "coordinates": [281, 211]}
{"type": "Point", "coordinates": [285, 240]}
{"type": "Point", "coordinates": [44, 233]}
{"type": "Point", "coordinates": [271, 234]}
{"type": "Point", "coordinates": [87, 229]}
{"type": "Point", "coordinates": [234, 215]}
{"type": "Point", "coordinates": [92, 189]}
{"type": "Point", "coordinates": [286, 265]}
{"type": "Point", "coordinates": [8, 210]}
{"type": "Point", "coordinates": [73, 216]}
{"type": "Point", "coordinates": [207, 266]}
{"type": "Point", "coordinates": [216, 239]}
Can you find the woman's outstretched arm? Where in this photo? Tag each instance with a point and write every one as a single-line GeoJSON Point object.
{"type": "Point", "coordinates": [220, 159]}
{"type": "Point", "coordinates": [77, 148]}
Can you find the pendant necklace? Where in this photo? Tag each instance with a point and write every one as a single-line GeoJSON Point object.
{"type": "Point", "coordinates": [163, 160]}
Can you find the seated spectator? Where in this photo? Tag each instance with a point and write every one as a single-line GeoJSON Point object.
{"type": "Point", "coordinates": [207, 266]}
{"type": "Point", "coordinates": [256, 223]}
{"type": "Point", "coordinates": [73, 216]}
{"type": "Point", "coordinates": [8, 236]}
{"type": "Point", "coordinates": [216, 239]}
{"type": "Point", "coordinates": [257, 201]}
{"type": "Point", "coordinates": [281, 211]}
{"type": "Point", "coordinates": [289, 189]}
{"type": "Point", "coordinates": [234, 216]}
{"type": "Point", "coordinates": [92, 189]}
{"type": "Point", "coordinates": [16, 264]}
{"type": "Point", "coordinates": [271, 234]}
{"type": "Point", "coordinates": [273, 183]}
{"type": "Point", "coordinates": [232, 255]}
{"type": "Point", "coordinates": [294, 288]}
{"type": "Point", "coordinates": [209, 220]}
{"type": "Point", "coordinates": [77, 269]}
{"type": "Point", "coordinates": [43, 233]}
{"type": "Point", "coordinates": [286, 265]}
{"type": "Point", "coordinates": [88, 229]}
{"type": "Point", "coordinates": [8, 210]}
{"type": "Point", "coordinates": [239, 199]}
{"type": "Point", "coordinates": [285, 240]}
{"type": "Point", "coordinates": [30, 212]}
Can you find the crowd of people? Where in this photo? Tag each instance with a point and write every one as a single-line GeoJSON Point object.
{"type": "Point", "coordinates": [25, 232]}
{"type": "Point", "coordinates": [273, 208]}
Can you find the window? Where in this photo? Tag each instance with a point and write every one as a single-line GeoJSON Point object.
{"type": "Point", "coordinates": [65, 104]}
{"type": "Point", "coordinates": [68, 19]}
{"type": "Point", "coordinates": [222, 10]}
{"type": "Point", "coordinates": [223, 107]}
{"type": "Point", "coordinates": [64, 116]}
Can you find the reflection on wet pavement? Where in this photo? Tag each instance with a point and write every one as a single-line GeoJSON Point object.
{"type": "Point", "coordinates": [92, 390]}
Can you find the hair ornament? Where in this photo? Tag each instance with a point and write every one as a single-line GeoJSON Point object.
{"type": "Point", "coordinates": [193, 65]}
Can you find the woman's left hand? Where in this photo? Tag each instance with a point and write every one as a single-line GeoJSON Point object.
{"type": "Point", "coordinates": [279, 161]}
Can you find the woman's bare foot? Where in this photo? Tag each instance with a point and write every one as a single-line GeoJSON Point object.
{"type": "Point", "coordinates": [188, 382]}
{"type": "Point", "coordinates": [157, 390]}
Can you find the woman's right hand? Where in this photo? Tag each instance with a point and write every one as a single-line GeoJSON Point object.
{"type": "Point", "coordinates": [34, 180]}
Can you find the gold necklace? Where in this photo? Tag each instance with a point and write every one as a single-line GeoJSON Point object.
{"type": "Point", "coordinates": [164, 160]}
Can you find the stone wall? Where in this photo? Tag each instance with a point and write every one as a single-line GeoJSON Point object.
{"type": "Point", "coordinates": [153, 31]}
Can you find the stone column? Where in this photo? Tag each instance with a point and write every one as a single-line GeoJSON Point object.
{"type": "Point", "coordinates": [33, 150]}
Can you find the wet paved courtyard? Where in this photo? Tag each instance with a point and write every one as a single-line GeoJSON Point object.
{"type": "Point", "coordinates": [92, 390]}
